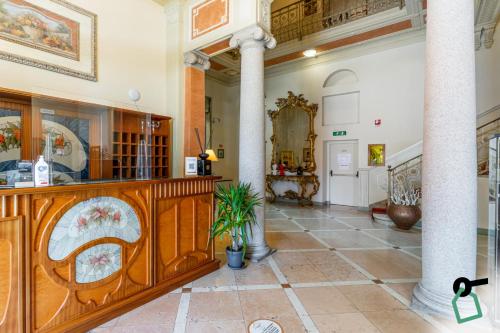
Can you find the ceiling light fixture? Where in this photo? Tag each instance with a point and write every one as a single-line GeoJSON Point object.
{"type": "Point", "coordinates": [310, 53]}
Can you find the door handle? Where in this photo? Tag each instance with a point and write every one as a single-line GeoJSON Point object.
{"type": "Point", "coordinates": [357, 174]}
{"type": "Point", "coordinates": [331, 173]}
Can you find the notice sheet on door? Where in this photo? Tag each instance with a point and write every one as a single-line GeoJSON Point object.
{"type": "Point", "coordinates": [344, 161]}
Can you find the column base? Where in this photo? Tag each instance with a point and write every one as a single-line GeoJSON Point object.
{"type": "Point", "coordinates": [439, 304]}
{"type": "Point", "coordinates": [258, 253]}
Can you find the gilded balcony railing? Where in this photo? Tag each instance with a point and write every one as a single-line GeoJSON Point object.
{"type": "Point", "coordinates": [305, 17]}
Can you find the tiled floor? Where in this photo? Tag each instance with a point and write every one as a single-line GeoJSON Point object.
{"type": "Point", "coordinates": [335, 271]}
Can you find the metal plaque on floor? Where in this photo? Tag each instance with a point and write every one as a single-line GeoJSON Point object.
{"type": "Point", "coordinates": [264, 326]}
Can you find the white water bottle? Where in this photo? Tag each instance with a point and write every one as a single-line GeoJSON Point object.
{"type": "Point", "coordinates": [41, 172]}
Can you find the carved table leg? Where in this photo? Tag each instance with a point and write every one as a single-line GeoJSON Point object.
{"type": "Point", "coordinates": [269, 187]}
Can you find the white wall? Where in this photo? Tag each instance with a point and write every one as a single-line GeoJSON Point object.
{"type": "Point", "coordinates": [225, 117]}
{"type": "Point", "coordinates": [391, 85]}
{"type": "Point", "coordinates": [131, 53]}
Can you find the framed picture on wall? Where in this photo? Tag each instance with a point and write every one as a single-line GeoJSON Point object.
{"type": "Point", "coordinates": [220, 153]}
{"type": "Point", "coordinates": [376, 155]}
{"type": "Point", "coordinates": [286, 157]}
{"type": "Point", "coordinates": [54, 35]}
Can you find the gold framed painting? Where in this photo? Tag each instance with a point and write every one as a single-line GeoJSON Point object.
{"type": "Point", "coordinates": [286, 157]}
{"type": "Point", "coordinates": [376, 155]}
{"type": "Point", "coordinates": [53, 35]}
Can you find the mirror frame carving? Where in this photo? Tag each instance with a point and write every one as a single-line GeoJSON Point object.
{"type": "Point", "coordinates": [310, 108]}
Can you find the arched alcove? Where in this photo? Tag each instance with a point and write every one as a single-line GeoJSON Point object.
{"type": "Point", "coordinates": [341, 77]}
{"type": "Point", "coordinates": [341, 98]}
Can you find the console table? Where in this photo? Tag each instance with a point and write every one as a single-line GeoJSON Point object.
{"type": "Point", "coordinates": [303, 197]}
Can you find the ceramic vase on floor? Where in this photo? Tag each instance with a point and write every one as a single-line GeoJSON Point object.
{"type": "Point", "coordinates": [404, 216]}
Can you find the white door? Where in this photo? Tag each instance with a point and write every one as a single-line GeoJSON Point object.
{"type": "Point", "coordinates": [343, 172]}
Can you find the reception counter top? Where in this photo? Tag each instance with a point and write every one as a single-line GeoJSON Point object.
{"type": "Point", "coordinates": [77, 255]}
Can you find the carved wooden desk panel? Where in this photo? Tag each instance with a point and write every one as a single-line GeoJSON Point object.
{"type": "Point", "coordinates": [88, 253]}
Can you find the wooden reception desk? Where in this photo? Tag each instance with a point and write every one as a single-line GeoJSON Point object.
{"type": "Point", "coordinates": [75, 256]}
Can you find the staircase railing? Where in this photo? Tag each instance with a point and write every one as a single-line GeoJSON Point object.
{"type": "Point", "coordinates": [408, 173]}
{"type": "Point", "coordinates": [306, 17]}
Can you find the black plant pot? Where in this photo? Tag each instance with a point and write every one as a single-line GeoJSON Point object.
{"type": "Point", "coordinates": [234, 258]}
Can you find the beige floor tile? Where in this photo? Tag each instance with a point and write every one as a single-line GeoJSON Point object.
{"type": "Point", "coordinates": [370, 298]}
{"type": "Point", "coordinates": [265, 304]}
{"type": "Point", "coordinates": [343, 323]}
{"type": "Point", "coordinates": [292, 240]}
{"type": "Point", "coordinates": [221, 326]}
{"type": "Point", "coordinates": [302, 213]}
{"type": "Point", "coordinates": [414, 250]}
{"type": "Point", "coordinates": [281, 225]}
{"type": "Point", "coordinates": [224, 276]}
{"type": "Point", "coordinates": [302, 273]}
{"type": "Point", "coordinates": [399, 237]}
{"type": "Point", "coordinates": [273, 215]}
{"type": "Point", "coordinates": [333, 267]}
{"type": "Point", "coordinates": [149, 328]}
{"type": "Point", "coordinates": [291, 258]}
{"type": "Point", "coordinates": [160, 311]}
{"type": "Point", "coordinates": [402, 321]}
{"type": "Point", "coordinates": [324, 300]}
{"type": "Point", "coordinates": [256, 273]}
{"type": "Point", "coordinates": [348, 239]}
{"type": "Point", "coordinates": [387, 264]}
{"type": "Point", "coordinates": [404, 289]}
{"type": "Point", "coordinates": [362, 223]}
{"type": "Point", "coordinates": [214, 306]}
{"type": "Point", "coordinates": [348, 213]}
{"type": "Point", "coordinates": [321, 224]}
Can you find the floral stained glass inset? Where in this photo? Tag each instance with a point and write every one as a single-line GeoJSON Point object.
{"type": "Point", "coordinates": [98, 262]}
{"type": "Point", "coordinates": [93, 219]}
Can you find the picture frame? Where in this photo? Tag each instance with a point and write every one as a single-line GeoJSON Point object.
{"type": "Point", "coordinates": [286, 157]}
{"type": "Point", "coordinates": [191, 166]}
{"type": "Point", "coordinates": [376, 155]}
{"type": "Point", "coordinates": [220, 153]}
{"type": "Point", "coordinates": [53, 35]}
{"type": "Point", "coordinates": [306, 157]}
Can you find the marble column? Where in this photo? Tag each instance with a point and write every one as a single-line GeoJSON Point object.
{"type": "Point", "coordinates": [449, 174]}
{"type": "Point", "coordinates": [252, 43]}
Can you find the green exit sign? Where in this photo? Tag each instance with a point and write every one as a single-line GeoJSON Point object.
{"type": "Point", "coordinates": [340, 133]}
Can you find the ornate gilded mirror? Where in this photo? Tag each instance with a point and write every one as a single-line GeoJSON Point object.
{"type": "Point", "coordinates": [293, 133]}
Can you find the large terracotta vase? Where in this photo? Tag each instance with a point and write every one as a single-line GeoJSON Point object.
{"type": "Point", "coordinates": [403, 216]}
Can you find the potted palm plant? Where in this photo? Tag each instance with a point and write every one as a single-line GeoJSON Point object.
{"type": "Point", "coordinates": [235, 218]}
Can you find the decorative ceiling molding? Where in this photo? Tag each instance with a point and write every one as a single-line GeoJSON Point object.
{"type": "Point", "coordinates": [486, 20]}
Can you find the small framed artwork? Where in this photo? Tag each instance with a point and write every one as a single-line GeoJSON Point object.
{"type": "Point", "coordinates": [307, 155]}
{"type": "Point", "coordinates": [376, 155]}
{"type": "Point", "coordinates": [191, 166]}
{"type": "Point", "coordinates": [286, 157]}
{"type": "Point", "coordinates": [220, 153]}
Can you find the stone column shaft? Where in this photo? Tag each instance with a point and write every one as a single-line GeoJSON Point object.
{"type": "Point", "coordinates": [253, 42]}
{"type": "Point", "coordinates": [449, 174]}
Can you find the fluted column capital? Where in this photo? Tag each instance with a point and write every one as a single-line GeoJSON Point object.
{"type": "Point", "coordinates": [197, 59]}
{"type": "Point", "coordinates": [254, 36]}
